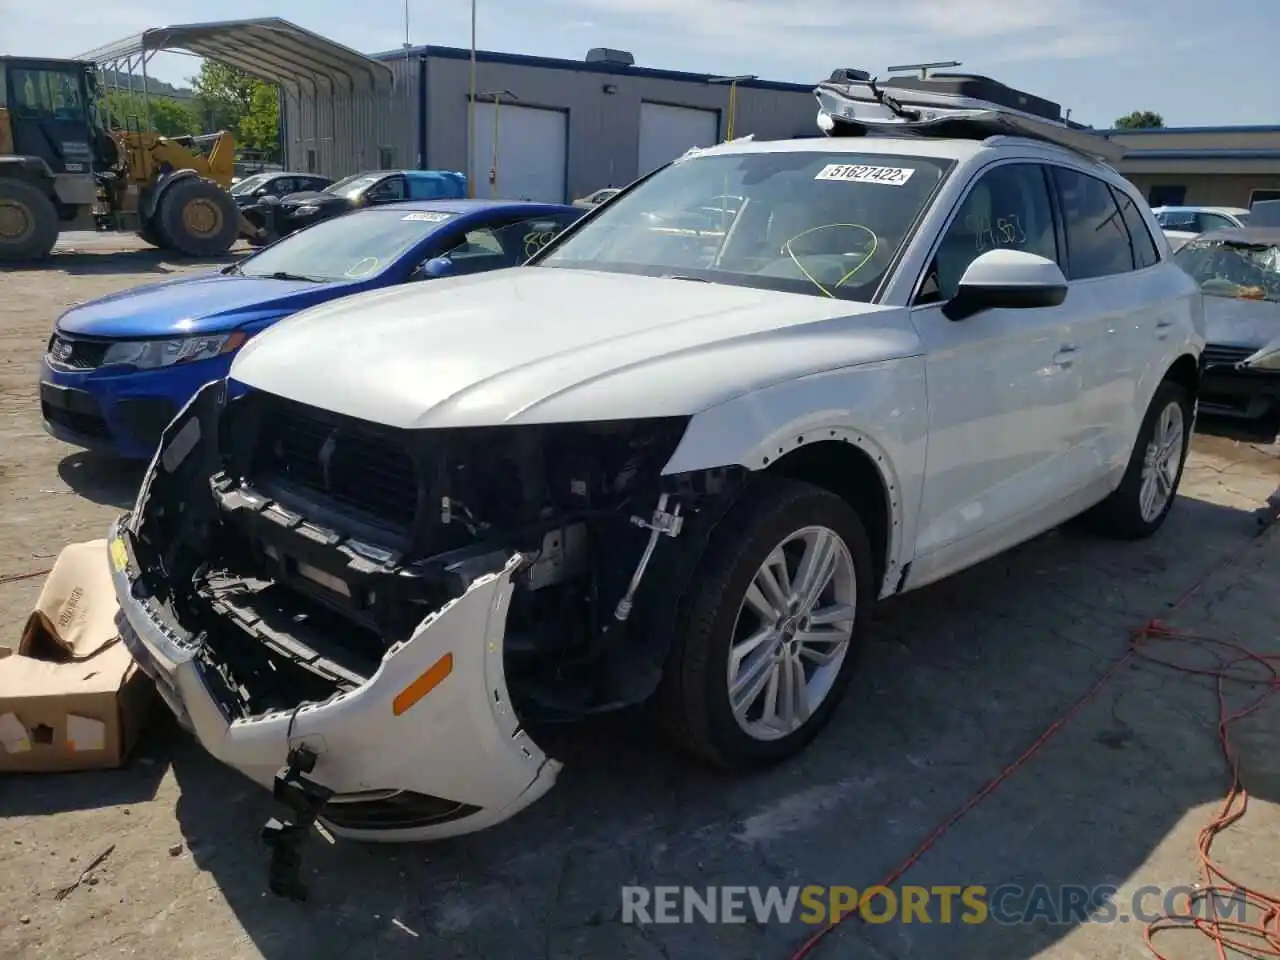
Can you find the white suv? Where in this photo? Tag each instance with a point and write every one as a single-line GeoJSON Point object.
{"type": "Point", "coordinates": [680, 455]}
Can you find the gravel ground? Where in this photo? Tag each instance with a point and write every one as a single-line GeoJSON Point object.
{"type": "Point", "coordinates": [959, 680]}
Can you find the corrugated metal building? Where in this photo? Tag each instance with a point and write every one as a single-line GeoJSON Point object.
{"type": "Point", "coordinates": [563, 128]}
{"type": "Point", "coordinates": [1202, 166]}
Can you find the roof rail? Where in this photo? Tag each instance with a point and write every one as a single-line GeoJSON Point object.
{"type": "Point", "coordinates": [852, 103]}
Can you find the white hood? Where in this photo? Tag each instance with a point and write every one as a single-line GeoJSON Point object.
{"type": "Point", "coordinates": [547, 345]}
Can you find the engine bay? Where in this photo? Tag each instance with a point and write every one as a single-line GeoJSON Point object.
{"type": "Point", "coordinates": [298, 547]}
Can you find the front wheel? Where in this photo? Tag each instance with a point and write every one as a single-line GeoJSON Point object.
{"type": "Point", "coordinates": [773, 626]}
{"type": "Point", "coordinates": [1138, 507]}
{"type": "Point", "coordinates": [197, 217]}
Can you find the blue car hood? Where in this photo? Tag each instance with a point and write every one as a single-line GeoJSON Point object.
{"type": "Point", "coordinates": [201, 304]}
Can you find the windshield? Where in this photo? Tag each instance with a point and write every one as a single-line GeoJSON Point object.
{"type": "Point", "coordinates": [827, 224]}
{"type": "Point", "coordinates": [1245, 271]}
{"type": "Point", "coordinates": [249, 184]}
{"type": "Point", "coordinates": [350, 186]}
{"type": "Point", "coordinates": [46, 95]}
{"type": "Point", "coordinates": [352, 247]}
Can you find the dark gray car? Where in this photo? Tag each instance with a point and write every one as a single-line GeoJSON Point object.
{"type": "Point", "coordinates": [1239, 274]}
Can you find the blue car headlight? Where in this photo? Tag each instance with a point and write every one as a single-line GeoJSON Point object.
{"type": "Point", "coordinates": [148, 354]}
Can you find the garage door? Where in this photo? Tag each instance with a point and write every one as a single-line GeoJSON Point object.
{"type": "Point", "coordinates": [532, 152]}
{"type": "Point", "coordinates": [666, 132]}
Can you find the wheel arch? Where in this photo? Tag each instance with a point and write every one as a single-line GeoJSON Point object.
{"type": "Point", "coordinates": [1185, 371]}
{"type": "Point", "coordinates": [849, 465]}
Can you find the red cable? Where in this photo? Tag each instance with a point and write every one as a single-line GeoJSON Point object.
{"type": "Point", "coordinates": [1265, 933]}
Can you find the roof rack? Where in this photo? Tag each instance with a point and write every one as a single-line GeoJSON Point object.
{"type": "Point", "coordinates": [852, 103]}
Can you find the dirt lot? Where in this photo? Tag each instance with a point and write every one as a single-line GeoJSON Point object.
{"type": "Point", "coordinates": [959, 681]}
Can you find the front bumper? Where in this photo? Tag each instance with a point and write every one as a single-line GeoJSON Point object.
{"type": "Point", "coordinates": [119, 410]}
{"type": "Point", "coordinates": [461, 744]}
{"type": "Point", "coordinates": [1241, 393]}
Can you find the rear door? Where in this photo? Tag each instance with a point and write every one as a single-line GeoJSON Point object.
{"type": "Point", "coordinates": [1117, 285]}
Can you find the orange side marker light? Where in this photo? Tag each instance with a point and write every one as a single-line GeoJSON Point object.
{"type": "Point", "coordinates": [423, 685]}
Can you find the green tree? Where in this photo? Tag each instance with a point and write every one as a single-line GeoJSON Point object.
{"type": "Point", "coordinates": [260, 128]}
{"type": "Point", "coordinates": [230, 99]}
{"type": "Point", "coordinates": [1140, 120]}
{"type": "Point", "coordinates": [169, 117]}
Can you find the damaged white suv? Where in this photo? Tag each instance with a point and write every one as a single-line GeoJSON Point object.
{"type": "Point", "coordinates": [680, 455]}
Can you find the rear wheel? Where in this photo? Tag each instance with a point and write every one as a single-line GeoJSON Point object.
{"type": "Point", "coordinates": [198, 218]}
{"type": "Point", "coordinates": [28, 223]}
{"type": "Point", "coordinates": [776, 618]}
{"type": "Point", "coordinates": [1138, 507]}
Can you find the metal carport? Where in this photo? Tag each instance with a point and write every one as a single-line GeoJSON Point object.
{"type": "Point", "coordinates": [301, 63]}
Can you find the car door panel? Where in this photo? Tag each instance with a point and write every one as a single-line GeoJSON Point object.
{"type": "Point", "coordinates": [1002, 386]}
{"type": "Point", "coordinates": [1109, 270]}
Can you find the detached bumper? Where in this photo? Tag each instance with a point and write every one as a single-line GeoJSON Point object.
{"type": "Point", "coordinates": [454, 762]}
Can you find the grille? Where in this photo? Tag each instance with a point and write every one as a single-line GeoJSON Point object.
{"type": "Point", "coordinates": [1215, 355]}
{"type": "Point", "coordinates": [357, 465]}
{"type": "Point", "coordinates": [77, 353]}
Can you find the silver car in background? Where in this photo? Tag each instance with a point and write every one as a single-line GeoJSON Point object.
{"type": "Point", "coordinates": [1239, 274]}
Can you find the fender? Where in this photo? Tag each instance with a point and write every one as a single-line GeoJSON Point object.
{"type": "Point", "coordinates": [882, 411]}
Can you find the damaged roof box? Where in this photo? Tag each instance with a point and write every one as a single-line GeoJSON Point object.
{"type": "Point", "coordinates": [71, 697]}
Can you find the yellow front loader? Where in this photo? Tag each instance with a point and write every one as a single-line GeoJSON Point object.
{"type": "Point", "coordinates": [62, 168]}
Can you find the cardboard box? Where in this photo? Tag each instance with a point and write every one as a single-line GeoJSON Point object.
{"type": "Point", "coordinates": [71, 697]}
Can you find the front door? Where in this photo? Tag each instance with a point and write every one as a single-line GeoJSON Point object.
{"type": "Point", "coordinates": [1002, 385]}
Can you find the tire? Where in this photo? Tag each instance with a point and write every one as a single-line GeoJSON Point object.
{"type": "Point", "coordinates": [694, 700]}
{"type": "Point", "coordinates": [1122, 514]}
{"type": "Point", "coordinates": [198, 218]}
{"type": "Point", "coordinates": [28, 222]}
{"type": "Point", "coordinates": [149, 232]}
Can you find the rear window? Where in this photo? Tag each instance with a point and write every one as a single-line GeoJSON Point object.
{"type": "Point", "coordinates": [1145, 253]}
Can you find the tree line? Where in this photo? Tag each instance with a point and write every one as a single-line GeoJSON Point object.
{"type": "Point", "coordinates": [223, 98]}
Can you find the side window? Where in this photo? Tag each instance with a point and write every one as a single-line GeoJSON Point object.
{"type": "Point", "coordinates": [1008, 208]}
{"type": "Point", "coordinates": [1097, 239]}
{"type": "Point", "coordinates": [1145, 253]}
{"type": "Point", "coordinates": [283, 186]}
{"type": "Point", "coordinates": [425, 188]}
{"type": "Point", "coordinates": [530, 236]}
{"type": "Point", "coordinates": [388, 190]}
{"type": "Point", "coordinates": [1213, 221]}
{"type": "Point", "coordinates": [480, 250]}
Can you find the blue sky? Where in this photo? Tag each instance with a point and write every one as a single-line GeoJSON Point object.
{"type": "Point", "coordinates": [1196, 63]}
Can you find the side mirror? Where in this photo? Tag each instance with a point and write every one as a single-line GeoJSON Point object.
{"type": "Point", "coordinates": [437, 267]}
{"type": "Point", "coordinates": [1008, 279]}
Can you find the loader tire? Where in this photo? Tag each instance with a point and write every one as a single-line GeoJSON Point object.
{"type": "Point", "coordinates": [198, 218]}
{"type": "Point", "coordinates": [28, 223]}
{"type": "Point", "coordinates": [149, 231]}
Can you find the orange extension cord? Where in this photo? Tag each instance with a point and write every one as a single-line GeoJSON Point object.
{"type": "Point", "coordinates": [1262, 938]}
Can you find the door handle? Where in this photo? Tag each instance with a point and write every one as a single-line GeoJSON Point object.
{"type": "Point", "coordinates": [1162, 329]}
{"type": "Point", "coordinates": [1065, 356]}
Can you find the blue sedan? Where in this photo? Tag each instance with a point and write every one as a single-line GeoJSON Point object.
{"type": "Point", "coordinates": [118, 369]}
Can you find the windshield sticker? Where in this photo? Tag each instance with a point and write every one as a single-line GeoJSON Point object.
{"type": "Point", "coordinates": [427, 217]}
{"type": "Point", "coordinates": [860, 173]}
